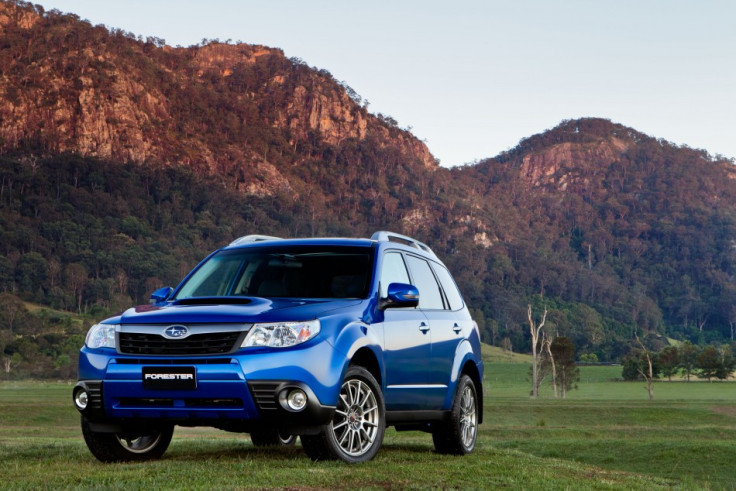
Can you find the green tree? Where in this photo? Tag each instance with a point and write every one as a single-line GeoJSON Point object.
{"type": "Point", "coordinates": [31, 274]}
{"type": "Point", "coordinates": [568, 374]}
{"type": "Point", "coordinates": [630, 367]}
{"type": "Point", "coordinates": [688, 353]}
{"type": "Point", "coordinates": [669, 361]}
{"type": "Point", "coordinates": [709, 362]}
{"type": "Point", "coordinates": [589, 358]}
{"type": "Point", "coordinates": [728, 363]}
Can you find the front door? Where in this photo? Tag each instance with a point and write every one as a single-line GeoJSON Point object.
{"type": "Point", "coordinates": [407, 344]}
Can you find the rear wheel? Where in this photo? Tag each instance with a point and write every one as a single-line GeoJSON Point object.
{"type": "Point", "coordinates": [458, 435]}
{"type": "Point", "coordinates": [356, 431]}
{"type": "Point", "coordinates": [272, 437]}
{"type": "Point", "coordinates": [127, 446]}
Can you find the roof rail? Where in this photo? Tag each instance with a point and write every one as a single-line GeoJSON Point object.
{"type": "Point", "coordinates": [247, 239]}
{"type": "Point", "coordinates": [386, 236]}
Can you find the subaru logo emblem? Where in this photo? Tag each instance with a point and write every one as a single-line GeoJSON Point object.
{"type": "Point", "coordinates": [176, 332]}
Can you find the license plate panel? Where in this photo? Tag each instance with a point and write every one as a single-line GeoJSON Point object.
{"type": "Point", "coordinates": [169, 378]}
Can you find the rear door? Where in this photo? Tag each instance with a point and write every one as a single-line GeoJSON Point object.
{"type": "Point", "coordinates": [450, 326]}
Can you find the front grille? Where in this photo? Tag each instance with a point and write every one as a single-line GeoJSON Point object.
{"type": "Point", "coordinates": [174, 361]}
{"type": "Point", "coordinates": [214, 343]}
{"type": "Point", "coordinates": [138, 402]}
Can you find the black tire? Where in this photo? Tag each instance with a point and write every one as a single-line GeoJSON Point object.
{"type": "Point", "coordinates": [127, 447]}
{"type": "Point", "coordinates": [356, 431]}
{"type": "Point", "coordinates": [458, 435]}
{"type": "Point", "coordinates": [272, 437]}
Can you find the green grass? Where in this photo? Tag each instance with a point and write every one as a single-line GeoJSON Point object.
{"type": "Point", "coordinates": [494, 354]}
{"type": "Point", "coordinates": [606, 435]}
{"type": "Point", "coordinates": [686, 434]}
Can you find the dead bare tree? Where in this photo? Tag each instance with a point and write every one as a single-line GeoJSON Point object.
{"type": "Point", "coordinates": [732, 321]}
{"type": "Point", "coordinates": [649, 375]}
{"type": "Point", "coordinates": [535, 330]}
{"type": "Point", "coordinates": [701, 322]}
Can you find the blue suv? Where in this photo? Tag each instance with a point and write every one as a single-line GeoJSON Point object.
{"type": "Point", "coordinates": [330, 340]}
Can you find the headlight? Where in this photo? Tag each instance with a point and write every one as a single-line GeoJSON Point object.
{"type": "Point", "coordinates": [101, 336]}
{"type": "Point", "coordinates": [281, 334]}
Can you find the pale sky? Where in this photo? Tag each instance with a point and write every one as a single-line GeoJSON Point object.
{"type": "Point", "coordinates": [473, 77]}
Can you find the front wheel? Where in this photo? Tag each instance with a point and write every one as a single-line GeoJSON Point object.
{"type": "Point", "coordinates": [457, 435]}
{"type": "Point", "coordinates": [356, 431]}
{"type": "Point", "coordinates": [127, 446]}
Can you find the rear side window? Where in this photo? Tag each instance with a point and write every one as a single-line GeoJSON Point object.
{"type": "Point", "coordinates": [451, 291]}
{"type": "Point", "coordinates": [430, 296]}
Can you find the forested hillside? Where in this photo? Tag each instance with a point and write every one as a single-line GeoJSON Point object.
{"type": "Point", "coordinates": [625, 230]}
{"type": "Point", "coordinates": [124, 161]}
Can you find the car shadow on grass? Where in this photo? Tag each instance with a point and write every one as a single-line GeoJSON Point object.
{"type": "Point", "coordinates": [209, 449]}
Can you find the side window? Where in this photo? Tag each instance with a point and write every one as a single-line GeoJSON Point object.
{"type": "Point", "coordinates": [393, 270]}
{"type": "Point", "coordinates": [451, 291]}
{"type": "Point", "coordinates": [430, 296]}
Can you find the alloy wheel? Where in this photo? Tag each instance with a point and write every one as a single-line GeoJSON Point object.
{"type": "Point", "coordinates": [355, 425]}
{"type": "Point", "coordinates": [468, 417]}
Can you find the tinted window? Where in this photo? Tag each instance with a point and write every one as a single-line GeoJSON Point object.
{"type": "Point", "coordinates": [393, 270]}
{"type": "Point", "coordinates": [430, 296]}
{"type": "Point", "coordinates": [451, 291]}
{"type": "Point", "coordinates": [287, 271]}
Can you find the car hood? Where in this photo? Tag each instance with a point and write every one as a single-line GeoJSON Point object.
{"type": "Point", "coordinates": [224, 310]}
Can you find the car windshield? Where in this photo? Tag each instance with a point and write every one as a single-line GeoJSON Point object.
{"type": "Point", "coordinates": [293, 271]}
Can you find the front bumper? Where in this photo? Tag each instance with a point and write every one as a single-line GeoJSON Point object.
{"type": "Point", "coordinates": [235, 407]}
{"type": "Point", "coordinates": [235, 393]}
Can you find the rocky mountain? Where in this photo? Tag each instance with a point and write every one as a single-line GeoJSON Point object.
{"type": "Point", "coordinates": [123, 161]}
{"type": "Point", "coordinates": [241, 111]}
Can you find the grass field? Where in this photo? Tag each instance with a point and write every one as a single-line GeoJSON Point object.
{"type": "Point", "coordinates": [605, 435]}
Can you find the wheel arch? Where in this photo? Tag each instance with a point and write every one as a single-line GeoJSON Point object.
{"type": "Point", "coordinates": [471, 370]}
{"type": "Point", "coordinates": [467, 363]}
{"type": "Point", "coordinates": [366, 358]}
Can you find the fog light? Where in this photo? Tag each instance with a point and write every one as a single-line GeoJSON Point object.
{"type": "Point", "coordinates": [81, 399]}
{"type": "Point", "coordinates": [297, 400]}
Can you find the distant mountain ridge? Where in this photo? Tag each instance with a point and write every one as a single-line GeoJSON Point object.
{"type": "Point", "coordinates": [124, 161]}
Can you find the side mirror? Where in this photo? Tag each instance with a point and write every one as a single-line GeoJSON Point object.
{"type": "Point", "coordinates": [161, 295]}
{"type": "Point", "coordinates": [400, 295]}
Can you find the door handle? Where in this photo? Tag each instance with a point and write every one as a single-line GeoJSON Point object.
{"type": "Point", "coordinates": [456, 328]}
{"type": "Point", "coordinates": [423, 327]}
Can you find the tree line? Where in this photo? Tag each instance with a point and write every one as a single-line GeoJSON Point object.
{"type": "Point", "coordinates": [711, 362]}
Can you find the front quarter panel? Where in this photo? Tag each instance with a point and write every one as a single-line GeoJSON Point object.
{"type": "Point", "coordinates": [356, 335]}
